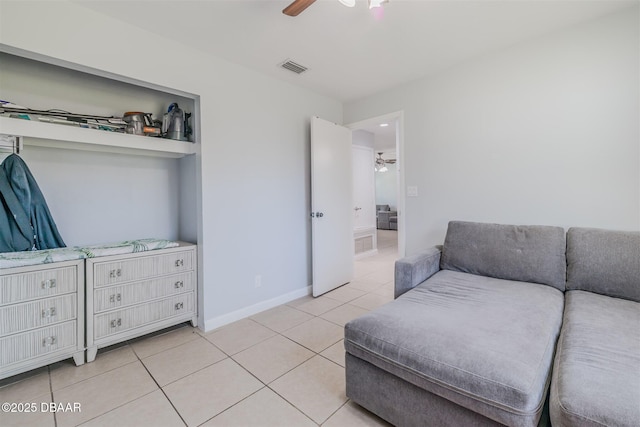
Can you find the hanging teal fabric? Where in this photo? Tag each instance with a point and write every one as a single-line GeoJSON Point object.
{"type": "Point", "coordinates": [44, 233]}
{"type": "Point", "coordinates": [16, 233]}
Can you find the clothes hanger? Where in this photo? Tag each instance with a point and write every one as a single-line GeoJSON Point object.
{"type": "Point", "coordinates": [10, 144]}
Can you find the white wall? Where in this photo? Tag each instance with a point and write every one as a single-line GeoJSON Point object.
{"type": "Point", "coordinates": [254, 153]}
{"type": "Point", "coordinates": [387, 187]}
{"type": "Point", "coordinates": [545, 132]}
{"type": "Point", "coordinates": [101, 198]}
{"type": "Point", "coordinates": [363, 138]}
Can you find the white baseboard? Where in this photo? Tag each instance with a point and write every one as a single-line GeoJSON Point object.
{"type": "Point", "coordinates": [234, 316]}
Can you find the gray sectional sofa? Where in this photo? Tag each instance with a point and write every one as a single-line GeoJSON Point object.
{"type": "Point", "coordinates": [482, 328]}
{"type": "Point", "coordinates": [596, 374]}
{"type": "Point", "coordinates": [386, 219]}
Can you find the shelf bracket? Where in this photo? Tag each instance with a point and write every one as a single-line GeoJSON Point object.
{"type": "Point", "coordinates": [10, 144]}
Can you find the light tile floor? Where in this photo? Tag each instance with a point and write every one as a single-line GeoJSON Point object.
{"type": "Point", "coordinates": [281, 367]}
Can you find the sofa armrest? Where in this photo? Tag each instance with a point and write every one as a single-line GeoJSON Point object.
{"type": "Point", "coordinates": [412, 270]}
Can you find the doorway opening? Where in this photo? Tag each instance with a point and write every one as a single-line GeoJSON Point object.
{"type": "Point", "coordinates": [378, 177]}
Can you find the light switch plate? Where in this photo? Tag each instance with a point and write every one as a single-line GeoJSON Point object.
{"type": "Point", "coordinates": [412, 191]}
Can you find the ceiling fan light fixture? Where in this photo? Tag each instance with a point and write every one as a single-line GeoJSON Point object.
{"type": "Point", "coordinates": [380, 164]}
{"type": "Point", "coordinates": [348, 3]}
{"type": "Point", "coordinates": [376, 3]}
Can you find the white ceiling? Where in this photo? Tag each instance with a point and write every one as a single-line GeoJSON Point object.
{"type": "Point", "coordinates": [352, 52]}
{"type": "Point", "coordinates": [384, 137]}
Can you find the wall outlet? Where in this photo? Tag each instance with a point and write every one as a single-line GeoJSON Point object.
{"type": "Point", "coordinates": [257, 281]}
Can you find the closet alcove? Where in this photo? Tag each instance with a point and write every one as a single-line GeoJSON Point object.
{"type": "Point", "coordinates": [100, 186]}
{"type": "Point", "coordinates": [103, 186]}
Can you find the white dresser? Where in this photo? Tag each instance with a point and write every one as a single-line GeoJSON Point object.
{"type": "Point", "coordinates": [134, 294]}
{"type": "Point", "coordinates": [41, 316]}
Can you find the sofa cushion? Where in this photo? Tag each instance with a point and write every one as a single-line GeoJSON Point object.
{"type": "Point", "coordinates": [532, 253]}
{"type": "Point", "coordinates": [481, 342]}
{"type": "Point", "coordinates": [603, 261]}
{"type": "Point", "coordinates": [596, 375]}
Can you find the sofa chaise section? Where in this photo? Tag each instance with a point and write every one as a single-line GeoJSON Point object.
{"type": "Point", "coordinates": [471, 337]}
{"type": "Point", "coordinates": [596, 374]}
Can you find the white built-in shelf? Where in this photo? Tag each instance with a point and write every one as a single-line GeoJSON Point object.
{"type": "Point", "coordinates": [82, 83]}
{"type": "Point", "coordinates": [77, 138]}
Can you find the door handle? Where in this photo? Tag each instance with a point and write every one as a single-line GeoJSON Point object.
{"type": "Point", "coordinates": [357, 208]}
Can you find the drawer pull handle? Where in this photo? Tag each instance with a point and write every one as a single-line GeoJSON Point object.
{"type": "Point", "coordinates": [49, 341]}
{"type": "Point", "coordinates": [49, 312]}
{"type": "Point", "coordinates": [116, 323]}
{"type": "Point", "coordinates": [115, 297]}
{"type": "Point", "coordinates": [179, 306]}
{"type": "Point", "coordinates": [180, 263]}
{"type": "Point", "coordinates": [48, 284]}
{"type": "Point", "coordinates": [179, 284]}
{"type": "Point", "coordinates": [115, 273]}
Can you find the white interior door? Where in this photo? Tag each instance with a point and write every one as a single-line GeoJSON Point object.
{"type": "Point", "coordinates": [364, 188]}
{"type": "Point", "coordinates": [331, 205]}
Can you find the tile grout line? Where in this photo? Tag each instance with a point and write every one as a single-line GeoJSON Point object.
{"type": "Point", "coordinates": [334, 412]}
{"type": "Point", "coordinates": [235, 404]}
{"type": "Point", "coordinates": [94, 376]}
{"type": "Point", "coordinates": [292, 404]}
{"type": "Point", "coordinates": [300, 364]}
{"type": "Point", "coordinates": [55, 418]}
{"type": "Point", "coordinates": [113, 409]}
{"type": "Point", "coordinates": [264, 385]}
{"type": "Point", "coordinates": [160, 388]}
{"type": "Point", "coordinates": [189, 374]}
{"type": "Point", "coordinates": [170, 330]}
{"type": "Point", "coordinates": [125, 344]}
{"type": "Point", "coordinates": [267, 385]}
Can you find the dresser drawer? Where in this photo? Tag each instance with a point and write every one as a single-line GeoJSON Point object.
{"type": "Point", "coordinates": [142, 267]}
{"type": "Point", "coordinates": [37, 284]}
{"type": "Point", "coordinates": [22, 317]}
{"type": "Point", "coordinates": [38, 342]}
{"type": "Point", "coordinates": [107, 298]}
{"type": "Point", "coordinates": [113, 322]}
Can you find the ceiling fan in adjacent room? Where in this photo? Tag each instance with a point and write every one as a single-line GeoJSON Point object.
{"type": "Point", "coordinates": [298, 6]}
{"type": "Point", "coordinates": [380, 164]}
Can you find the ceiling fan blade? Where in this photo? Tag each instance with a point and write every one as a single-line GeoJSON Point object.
{"type": "Point", "coordinates": [392, 161]}
{"type": "Point", "coordinates": [295, 8]}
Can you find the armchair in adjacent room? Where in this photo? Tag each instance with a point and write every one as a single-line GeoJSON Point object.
{"type": "Point", "coordinates": [385, 217]}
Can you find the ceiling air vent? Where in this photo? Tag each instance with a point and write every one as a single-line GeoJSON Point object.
{"type": "Point", "coordinates": [293, 66]}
